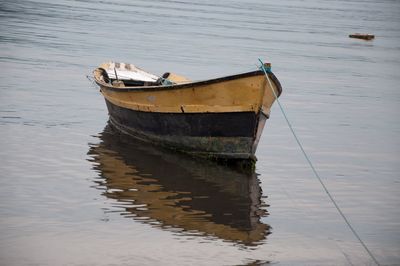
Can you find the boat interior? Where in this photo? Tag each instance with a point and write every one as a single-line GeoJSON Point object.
{"type": "Point", "coordinates": [128, 75]}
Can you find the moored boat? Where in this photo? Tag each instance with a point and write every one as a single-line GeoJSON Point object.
{"type": "Point", "coordinates": [221, 118]}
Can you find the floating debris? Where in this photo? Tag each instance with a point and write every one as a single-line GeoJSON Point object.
{"type": "Point", "coordinates": [363, 36]}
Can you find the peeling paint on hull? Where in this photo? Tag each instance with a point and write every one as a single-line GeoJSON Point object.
{"type": "Point", "coordinates": [219, 135]}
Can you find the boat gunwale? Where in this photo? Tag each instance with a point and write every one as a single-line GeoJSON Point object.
{"type": "Point", "coordinates": [189, 84]}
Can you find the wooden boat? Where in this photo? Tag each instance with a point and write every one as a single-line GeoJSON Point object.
{"type": "Point", "coordinates": [170, 191]}
{"type": "Point", "coordinates": [217, 118]}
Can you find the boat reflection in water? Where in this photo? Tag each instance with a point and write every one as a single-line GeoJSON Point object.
{"type": "Point", "coordinates": [174, 192]}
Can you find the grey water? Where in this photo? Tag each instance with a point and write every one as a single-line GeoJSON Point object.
{"type": "Point", "coordinates": [75, 192]}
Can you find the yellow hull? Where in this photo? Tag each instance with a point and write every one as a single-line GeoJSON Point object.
{"type": "Point", "coordinates": [238, 93]}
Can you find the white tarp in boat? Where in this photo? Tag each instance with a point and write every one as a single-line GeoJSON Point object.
{"type": "Point", "coordinates": [128, 72]}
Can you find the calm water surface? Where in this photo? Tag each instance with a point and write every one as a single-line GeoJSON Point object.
{"type": "Point", "coordinates": [74, 192]}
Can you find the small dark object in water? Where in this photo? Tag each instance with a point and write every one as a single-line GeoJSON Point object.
{"type": "Point", "coordinates": [362, 36]}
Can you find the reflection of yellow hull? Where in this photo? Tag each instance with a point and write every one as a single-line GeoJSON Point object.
{"type": "Point", "coordinates": [221, 117]}
{"type": "Point", "coordinates": [156, 189]}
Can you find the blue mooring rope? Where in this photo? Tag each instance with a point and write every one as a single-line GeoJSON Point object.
{"type": "Point", "coordinates": [268, 70]}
